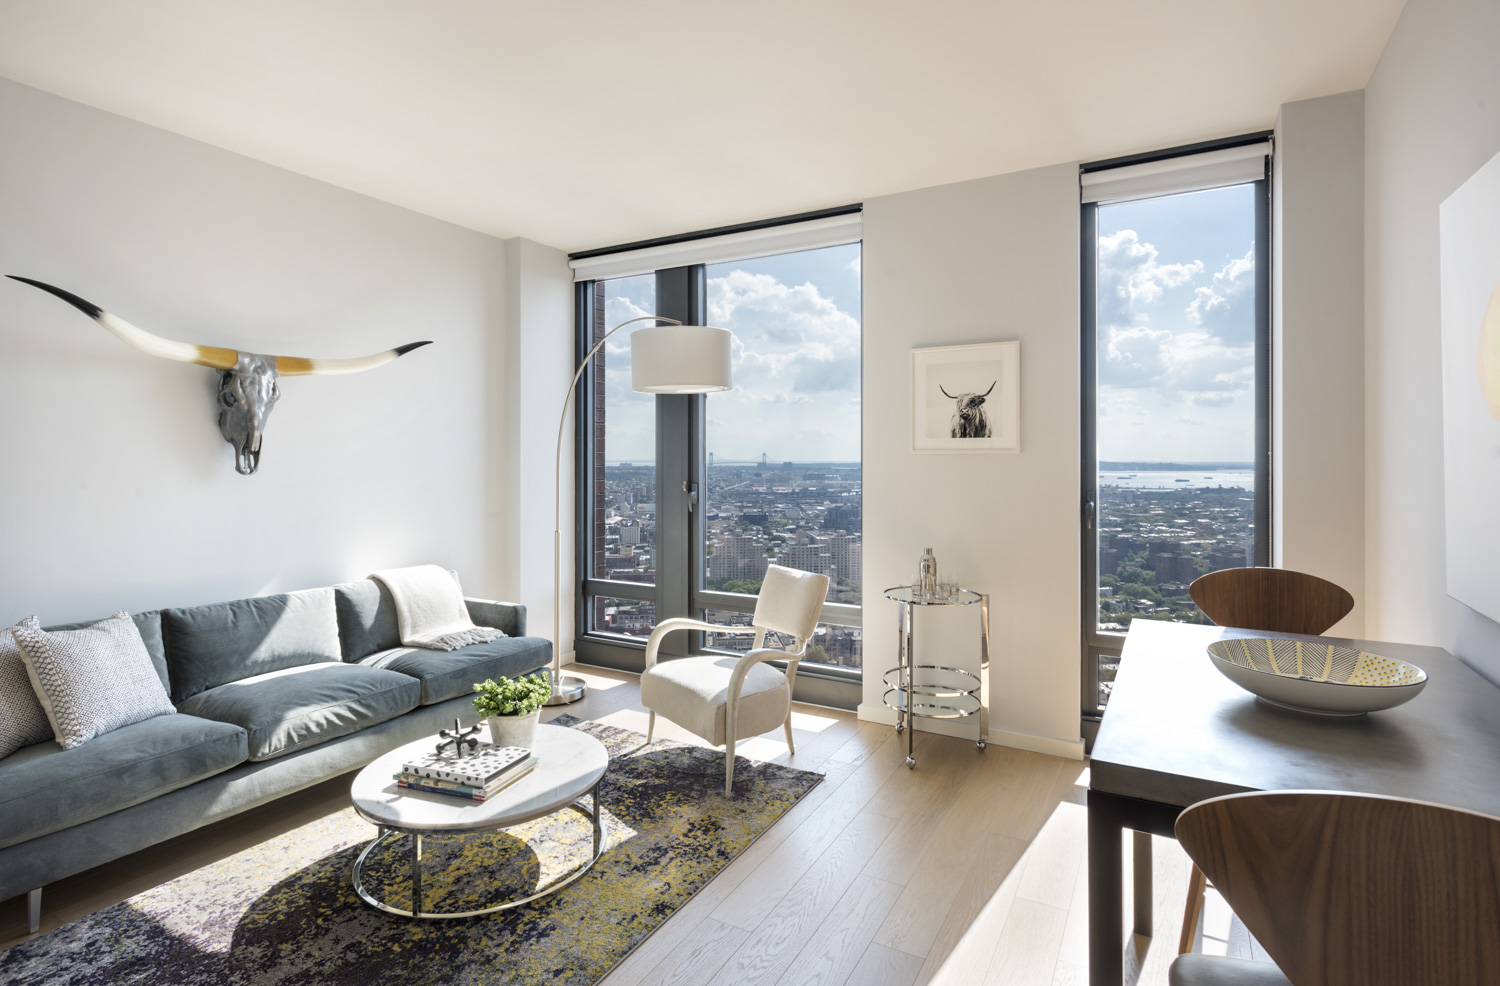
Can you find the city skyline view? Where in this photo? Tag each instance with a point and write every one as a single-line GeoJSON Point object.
{"type": "Point", "coordinates": [782, 449]}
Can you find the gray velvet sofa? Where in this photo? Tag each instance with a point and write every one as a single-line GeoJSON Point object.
{"type": "Point", "coordinates": [273, 694]}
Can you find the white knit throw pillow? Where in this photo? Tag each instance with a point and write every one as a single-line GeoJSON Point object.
{"type": "Point", "coordinates": [93, 680]}
{"type": "Point", "coordinates": [23, 722]}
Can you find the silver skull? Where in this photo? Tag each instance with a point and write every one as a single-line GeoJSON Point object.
{"type": "Point", "coordinates": [247, 393]}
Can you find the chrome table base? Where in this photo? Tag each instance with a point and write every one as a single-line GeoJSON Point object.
{"type": "Point", "coordinates": [416, 869]}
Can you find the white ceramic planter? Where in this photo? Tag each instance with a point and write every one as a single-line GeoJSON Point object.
{"type": "Point", "coordinates": [513, 730]}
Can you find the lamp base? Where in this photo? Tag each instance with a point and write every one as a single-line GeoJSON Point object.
{"type": "Point", "coordinates": [566, 691]}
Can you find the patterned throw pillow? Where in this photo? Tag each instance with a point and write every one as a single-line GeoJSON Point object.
{"type": "Point", "coordinates": [22, 720]}
{"type": "Point", "coordinates": [93, 680]}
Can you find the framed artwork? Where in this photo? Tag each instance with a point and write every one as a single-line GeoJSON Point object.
{"type": "Point", "coordinates": [966, 398]}
{"type": "Point", "coordinates": [1469, 262]}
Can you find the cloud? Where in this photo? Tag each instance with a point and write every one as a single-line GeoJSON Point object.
{"type": "Point", "coordinates": [1190, 422]}
{"type": "Point", "coordinates": [786, 334]}
{"type": "Point", "coordinates": [854, 265]}
{"type": "Point", "coordinates": [1131, 277]}
{"type": "Point", "coordinates": [1213, 399]}
{"type": "Point", "coordinates": [1220, 307]}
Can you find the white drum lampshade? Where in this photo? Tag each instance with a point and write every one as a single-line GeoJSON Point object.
{"type": "Point", "coordinates": [680, 359]}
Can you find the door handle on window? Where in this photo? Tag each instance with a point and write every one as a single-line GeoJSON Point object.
{"type": "Point", "coordinates": [1089, 508]}
{"type": "Point", "coordinates": [691, 489]}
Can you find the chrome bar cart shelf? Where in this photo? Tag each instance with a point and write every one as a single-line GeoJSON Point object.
{"type": "Point", "coordinates": [935, 691]}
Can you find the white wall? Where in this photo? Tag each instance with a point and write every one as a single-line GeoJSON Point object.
{"type": "Point", "coordinates": [1318, 345]}
{"type": "Point", "coordinates": [119, 491]}
{"type": "Point", "coordinates": [540, 364]}
{"type": "Point", "coordinates": [1432, 118]}
{"type": "Point", "coordinates": [979, 261]}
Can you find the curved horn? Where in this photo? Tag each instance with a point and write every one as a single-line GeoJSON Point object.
{"type": "Point", "coordinates": [987, 392]}
{"type": "Point", "coordinates": [296, 366]}
{"type": "Point", "coordinates": [152, 345]}
{"type": "Point", "coordinates": [945, 392]}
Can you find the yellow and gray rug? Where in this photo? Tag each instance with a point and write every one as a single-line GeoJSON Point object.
{"type": "Point", "coordinates": [284, 912]}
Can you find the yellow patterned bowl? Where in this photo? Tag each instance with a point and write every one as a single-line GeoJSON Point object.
{"type": "Point", "coordinates": [1311, 676]}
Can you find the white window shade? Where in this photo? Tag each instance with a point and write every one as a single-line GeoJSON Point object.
{"type": "Point", "coordinates": [810, 235]}
{"type": "Point", "coordinates": [1189, 173]}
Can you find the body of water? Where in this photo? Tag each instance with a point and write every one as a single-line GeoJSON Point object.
{"type": "Point", "coordinates": [1164, 479]}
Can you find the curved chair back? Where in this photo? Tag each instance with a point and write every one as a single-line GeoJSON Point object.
{"type": "Point", "coordinates": [790, 602]}
{"type": "Point", "coordinates": [1356, 889]}
{"type": "Point", "coordinates": [1273, 599]}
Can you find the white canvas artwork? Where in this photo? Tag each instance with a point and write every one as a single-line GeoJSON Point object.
{"type": "Point", "coordinates": [1469, 223]}
{"type": "Point", "coordinates": [966, 398]}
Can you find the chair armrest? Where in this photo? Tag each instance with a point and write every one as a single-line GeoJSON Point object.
{"type": "Point", "coordinates": [653, 643]}
{"type": "Point", "coordinates": [509, 617]}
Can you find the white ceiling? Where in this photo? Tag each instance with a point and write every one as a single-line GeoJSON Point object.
{"type": "Point", "coordinates": [599, 121]}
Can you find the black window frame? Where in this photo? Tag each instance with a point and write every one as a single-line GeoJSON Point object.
{"type": "Point", "coordinates": [681, 293]}
{"type": "Point", "coordinates": [1096, 643]}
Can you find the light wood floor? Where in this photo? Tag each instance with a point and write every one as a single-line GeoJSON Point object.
{"type": "Point", "coordinates": [968, 870]}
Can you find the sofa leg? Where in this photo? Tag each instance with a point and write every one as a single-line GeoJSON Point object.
{"type": "Point", "coordinates": [34, 910]}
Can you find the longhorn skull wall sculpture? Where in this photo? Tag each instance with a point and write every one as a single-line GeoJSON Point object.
{"type": "Point", "coordinates": [247, 382]}
{"type": "Point", "coordinates": [969, 417]}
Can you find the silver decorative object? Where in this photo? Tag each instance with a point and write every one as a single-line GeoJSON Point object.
{"type": "Point", "coordinates": [459, 738]}
{"type": "Point", "coordinates": [248, 387]}
{"type": "Point", "coordinates": [929, 575]}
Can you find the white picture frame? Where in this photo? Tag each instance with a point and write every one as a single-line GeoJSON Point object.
{"type": "Point", "coordinates": [1469, 265]}
{"type": "Point", "coordinates": [945, 380]}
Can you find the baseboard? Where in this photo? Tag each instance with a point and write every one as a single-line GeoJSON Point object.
{"type": "Point", "coordinates": [967, 729]}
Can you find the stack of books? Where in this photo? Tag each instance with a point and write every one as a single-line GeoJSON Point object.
{"type": "Point", "coordinates": [475, 776]}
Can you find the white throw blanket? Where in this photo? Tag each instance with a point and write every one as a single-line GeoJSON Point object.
{"type": "Point", "coordinates": [430, 609]}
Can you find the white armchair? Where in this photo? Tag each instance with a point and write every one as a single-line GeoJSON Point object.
{"type": "Point", "coordinates": [721, 698]}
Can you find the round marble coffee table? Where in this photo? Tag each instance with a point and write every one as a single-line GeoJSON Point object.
{"type": "Point", "coordinates": [569, 766]}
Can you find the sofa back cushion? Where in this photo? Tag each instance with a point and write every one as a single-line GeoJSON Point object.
{"type": "Point", "coordinates": [149, 624]}
{"type": "Point", "coordinates": [367, 618]}
{"type": "Point", "coordinates": [208, 646]}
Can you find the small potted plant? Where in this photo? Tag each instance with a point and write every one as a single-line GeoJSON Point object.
{"type": "Point", "coordinates": [511, 707]}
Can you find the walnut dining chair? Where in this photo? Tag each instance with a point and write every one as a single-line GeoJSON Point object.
{"type": "Point", "coordinates": [726, 697]}
{"type": "Point", "coordinates": [1348, 889]}
{"type": "Point", "coordinates": [1277, 600]}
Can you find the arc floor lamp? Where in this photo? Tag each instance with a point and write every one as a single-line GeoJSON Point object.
{"type": "Point", "coordinates": [664, 359]}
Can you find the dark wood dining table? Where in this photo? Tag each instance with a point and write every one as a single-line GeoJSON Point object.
{"type": "Point", "coordinates": [1176, 731]}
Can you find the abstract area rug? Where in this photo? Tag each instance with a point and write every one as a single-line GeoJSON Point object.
{"type": "Point", "coordinates": [284, 912]}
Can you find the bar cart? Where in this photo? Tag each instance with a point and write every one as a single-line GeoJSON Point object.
{"type": "Point", "coordinates": [934, 691]}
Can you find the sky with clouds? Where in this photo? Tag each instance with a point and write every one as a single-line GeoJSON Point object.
{"type": "Point", "coordinates": [1176, 343]}
{"type": "Point", "coordinates": [795, 319]}
{"type": "Point", "coordinates": [1177, 328]}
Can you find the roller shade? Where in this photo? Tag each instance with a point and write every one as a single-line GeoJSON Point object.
{"type": "Point", "coordinates": [830, 231]}
{"type": "Point", "coordinates": [1190, 173]}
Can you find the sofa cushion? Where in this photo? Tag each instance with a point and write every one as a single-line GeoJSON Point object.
{"type": "Point", "coordinates": [694, 693]}
{"type": "Point", "coordinates": [45, 788]}
{"type": "Point", "coordinates": [149, 624]}
{"type": "Point", "coordinates": [367, 618]}
{"type": "Point", "coordinates": [91, 681]}
{"type": "Point", "coordinates": [23, 721]}
{"type": "Point", "coordinates": [294, 708]}
{"type": "Point", "coordinates": [446, 674]}
{"type": "Point", "coordinates": [212, 645]}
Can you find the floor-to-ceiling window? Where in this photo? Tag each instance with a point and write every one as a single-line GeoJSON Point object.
{"type": "Point", "coordinates": [624, 450]}
{"type": "Point", "coordinates": [687, 499]}
{"type": "Point", "coordinates": [783, 470]}
{"type": "Point", "coordinates": [1176, 389]}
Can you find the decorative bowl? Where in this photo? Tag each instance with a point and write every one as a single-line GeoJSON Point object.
{"type": "Point", "coordinates": [1310, 676]}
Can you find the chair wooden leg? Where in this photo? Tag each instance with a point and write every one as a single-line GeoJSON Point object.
{"type": "Point", "coordinates": [650, 726]}
{"type": "Point", "coordinates": [1192, 911]}
{"type": "Point", "coordinates": [790, 746]}
{"type": "Point", "coordinates": [729, 766]}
